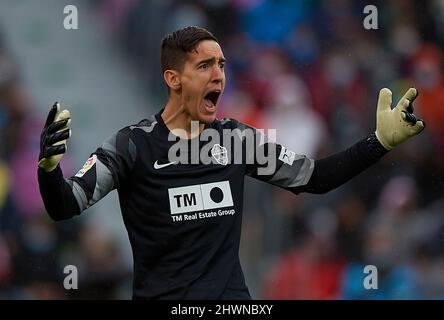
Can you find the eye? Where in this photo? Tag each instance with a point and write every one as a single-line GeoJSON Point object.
{"type": "Point", "coordinates": [222, 65]}
{"type": "Point", "coordinates": [204, 66]}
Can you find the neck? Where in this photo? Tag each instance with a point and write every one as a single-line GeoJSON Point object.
{"type": "Point", "coordinates": [179, 121]}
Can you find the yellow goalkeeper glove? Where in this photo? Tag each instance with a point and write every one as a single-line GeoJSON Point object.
{"type": "Point", "coordinates": [53, 138]}
{"type": "Point", "coordinates": [393, 127]}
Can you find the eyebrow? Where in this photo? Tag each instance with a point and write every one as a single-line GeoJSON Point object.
{"type": "Point", "coordinates": [211, 60]}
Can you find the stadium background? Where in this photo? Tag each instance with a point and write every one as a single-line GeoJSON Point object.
{"type": "Point", "coordinates": [307, 68]}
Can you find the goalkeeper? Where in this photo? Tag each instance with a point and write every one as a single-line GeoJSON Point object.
{"type": "Point", "coordinates": [181, 248]}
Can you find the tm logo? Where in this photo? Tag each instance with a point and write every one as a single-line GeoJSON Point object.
{"type": "Point", "coordinates": [200, 197]}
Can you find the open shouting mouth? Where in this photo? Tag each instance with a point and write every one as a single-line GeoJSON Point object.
{"type": "Point", "coordinates": [210, 100]}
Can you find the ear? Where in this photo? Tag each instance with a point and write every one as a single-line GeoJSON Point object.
{"type": "Point", "coordinates": [172, 79]}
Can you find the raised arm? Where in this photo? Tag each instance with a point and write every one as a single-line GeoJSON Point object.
{"type": "Point", "coordinates": [57, 195]}
{"type": "Point", "coordinates": [103, 171]}
{"type": "Point", "coordinates": [301, 174]}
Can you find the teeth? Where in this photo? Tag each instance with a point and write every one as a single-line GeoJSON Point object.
{"type": "Point", "coordinates": [208, 102]}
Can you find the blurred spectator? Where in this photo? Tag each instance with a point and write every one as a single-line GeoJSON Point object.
{"type": "Point", "coordinates": [269, 21]}
{"type": "Point", "coordinates": [395, 279]}
{"type": "Point", "coordinates": [298, 127]}
{"type": "Point", "coordinates": [427, 73]}
{"type": "Point", "coordinates": [238, 104]}
{"type": "Point", "coordinates": [393, 233]}
{"type": "Point", "coordinates": [36, 267]}
{"type": "Point", "coordinates": [10, 113]}
{"type": "Point", "coordinates": [312, 270]}
{"type": "Point", "coordinates": [5, 265]}
{"type": "Point", "coordinates": [351, 213]}
{"type": "Point", "coordinates": [101, 269]}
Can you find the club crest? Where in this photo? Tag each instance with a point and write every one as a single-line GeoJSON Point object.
{"type": "Point", "coordinates": [219, 154]}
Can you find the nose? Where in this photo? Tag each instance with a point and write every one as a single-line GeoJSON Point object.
{"type": "Point", "coordinates": [218, 74]}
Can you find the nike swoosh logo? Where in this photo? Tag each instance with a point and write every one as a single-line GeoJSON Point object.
{"type": "Point", "coordinates": [160, 166]}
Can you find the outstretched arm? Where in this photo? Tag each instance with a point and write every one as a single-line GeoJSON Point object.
{"type": "Point", "coordinates": [333, 171]}
{"type": "Point", "coordinates": [393, 127]}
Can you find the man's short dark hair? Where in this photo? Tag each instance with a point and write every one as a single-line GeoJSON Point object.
{"type": "Point", "coordinates": [176, 46]}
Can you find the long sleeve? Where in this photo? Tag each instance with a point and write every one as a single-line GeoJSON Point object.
{"type": "Point", "coordinates": [106, 169]}
{"type": "Point", "coordinates": [57, 195]}
{"type": "Point", "coordinates": [333, 171]}
{"type": "Point", "coordinates": [299, 173]}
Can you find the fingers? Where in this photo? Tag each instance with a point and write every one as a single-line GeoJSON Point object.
{"type": "Point", "coordinates": [419, 126]}
{"type": "Point", "coordinates": [59, 136]}
{"type": "Point", "coordinates": [65, 114]}
{"type": "Point", "coordinates": [411, 94]}
{"type": "Point", "coordinates": [56, 126]}
{"type": "Point", "coordinates": [49, 151]}
{"type": "Point", "coordinates": [410, 108]}
{"type": "Point", "coordinates": [406, 106]}
{"type": "Point", "coordinates": [384, 100]}
{"type": "Point", "coordinates": [62, 120]}
{"type": "Point", "coordinates": [406, 102]}
{"type": "Point", "coordinates": [55, 150]}
{"type": "Point", "coordinates": [409, 117]}
{"type": "Point", "coordinates": [55, 116]}
{"type": "Point", "coordinates": [53, 138]}
{"type": "Point", "coordinates": [52, 114]}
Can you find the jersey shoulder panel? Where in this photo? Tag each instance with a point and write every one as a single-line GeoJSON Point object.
{"type": "Point", "coordinates": [146, 125]}
{"type": "Point", "coordinates": [119, 152]}
{"type": "Point", "coordinates": [231, 123]}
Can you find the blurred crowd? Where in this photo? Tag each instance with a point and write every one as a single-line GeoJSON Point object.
{"type": "Point", "coordinates": [308, 69]}
{"type": "Point", "coordinates": [34, 250]}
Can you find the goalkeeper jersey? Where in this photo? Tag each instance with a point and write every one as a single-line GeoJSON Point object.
{"type": "Point", "coordinates": [183, 218]}
{"type": "Point", "coordinates": [182, 199]}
